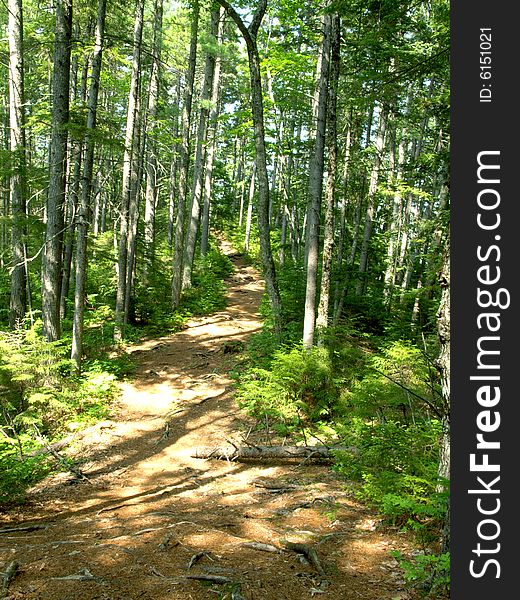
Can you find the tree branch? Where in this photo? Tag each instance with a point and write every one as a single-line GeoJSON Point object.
{"type": "Point", "coordinates": [249, 33]}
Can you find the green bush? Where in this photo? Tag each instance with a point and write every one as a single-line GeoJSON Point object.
{"type": "Point", "coordinates": [431, 572]}
{"type": "Point", "coordinates": [39, 397]}
{"type": "Point", "coordinates": [298, 383]}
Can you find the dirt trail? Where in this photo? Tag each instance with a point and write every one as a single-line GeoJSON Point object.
{"type": "Point", "coordinates": [149, 515]}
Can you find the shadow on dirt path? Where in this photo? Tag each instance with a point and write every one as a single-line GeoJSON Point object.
{"type": "Point", "coordinates": [150, 517]}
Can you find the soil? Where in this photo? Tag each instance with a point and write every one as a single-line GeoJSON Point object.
{"type": "Point", "coordinates": [148, 516]}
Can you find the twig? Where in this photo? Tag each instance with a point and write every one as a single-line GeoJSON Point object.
{"type": "Point", "coordinates": [82, 575]}
{"type": "Point", "coordinates": [213, 578]}
{"type": "Point", "coordinates": [196, 557]}
{"type": "Point", "coordinates": [26, 528]}
{"type": "Point", "coordinates": [261, 547]}
{"type": "Point", "coordinates": [69, 464]}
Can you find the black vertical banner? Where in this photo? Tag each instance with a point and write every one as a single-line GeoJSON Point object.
{"type": "Point", "coordinates": [485, 343]}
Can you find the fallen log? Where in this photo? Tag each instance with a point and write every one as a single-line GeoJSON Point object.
{"type": "Point", "coordinates": [309, 453]}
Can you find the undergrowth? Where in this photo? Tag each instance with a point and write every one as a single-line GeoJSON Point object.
{"type": "Point", "coordinates": [382, 400]}
{"type": "Point", "coordinates": [42, 401]}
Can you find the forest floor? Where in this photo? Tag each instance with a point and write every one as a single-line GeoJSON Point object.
{"type": "Point", "coordinates": [148, 516]}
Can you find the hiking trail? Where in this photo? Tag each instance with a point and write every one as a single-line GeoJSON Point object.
{"type": "Point", "coordinates": [149, 517]}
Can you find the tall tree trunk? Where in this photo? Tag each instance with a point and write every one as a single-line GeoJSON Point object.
{"type": "Point", "coordinates": [174, 167]}
{"type": "Point", "coordinates": [397, 207]}
{"type": "Point", "coordinates": [198, 168]}
{"type": "Point", "coordinates": [316, 185]}
{"type": "Point", "coordinates": [18, 301]}
{"type": "Point", "coordinates": [178, 249]}
{"type": "Point", "coordinates": [443, 364]}
{"type": "Point", "coordinates": [86, 191]}
{"type": "Point", "coordinates": [133, 208]}
{"type": "Point", "coordinates": [372, 188]}
{"type": "Point", "coordinates": [74, 160]}
{"type": "Point", "coordinates": [328, 241]}
{"type": "Point", "coordinates": [52, 256]}
{"type": "Point", "coordinates": [128, 162]}
{"type": "Point", "coordinates": [210, 151]}
{"type": "Point", "coordinates": [249, 217]}
{"type": "Point", "coordinates": [152, 179]}
{"type": "Point", "coordinates": [257, 108]}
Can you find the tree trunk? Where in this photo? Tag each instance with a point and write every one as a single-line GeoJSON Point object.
{"type": "Point", "coordinates": [184, 160]}
{"type": "Point", "coordinates": [257, 108]}
{"type": "Point", "coordinates": [443, 364]}
{"type": "Point", "coordinates": [128, 161]}
{"type": "Point", "coordinates": [328, 242]}
{"type": "Point", "coordinates": [198, 168]}
{"type": "Point", "coordinates": [173, 195]}
{"type": "Point", "coordinates": [18, 301]}
{"type": "Point", "coordinates": [210, 151]}
{"type": "Point", "coordinates": [316, 186]}
{"type": "Point", "coordinates": [86, 192]}
{"type": "Point", "coordinates": [52, 256]}
{"type": "Point", "coordinates": [249, 217]}
{"type": "Point", "coordinates": [372, 188]}
{"type": "Point", "coordinates": [152, 179]}
{"type": "Point", "coordinates": [133, 209]}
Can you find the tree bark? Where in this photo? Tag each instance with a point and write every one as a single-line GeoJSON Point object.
{"type": "Point", "coordinates": [443, 364]}
{"type": "Point", "coordinates": [52, 256]}
{"type": "Point", "coordinates": [128, 162]}
{"type": "Point", "coordinates": [210, 152]}
{"type": "Point", "coordinates": [309, 453]}
{"type": "Point", "coordinates": [198, 168]}
{"type": "Point", "coordinates": [152, 179]}
{"type": "Point", "coordinates": [86, 192]}
{"type": "Point", "coordinates": [257, 108]}
{"type": "Point", "coordinates": [249, 217]}
{"type": "Point", "coordinates": [328, 241]}
{"type": "Point", "coordinates": [18, 300]}
{"type": "Point", "coordinates": [178, 249]}
{"type": "Point", "coordinates": [316, 186]}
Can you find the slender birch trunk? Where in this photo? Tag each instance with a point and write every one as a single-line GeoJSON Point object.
{"type": "Point", "coordinates": [211, 147]}
{"type": "Point", "coordinates": [257, 108]}
{"type": "Point", "coordinates": [152, 178]}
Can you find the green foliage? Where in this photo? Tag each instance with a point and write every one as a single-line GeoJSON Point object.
{"type": "Point", "coordinates": [208, 292]}
{"type": "Point", "coordinates": [431, 572]}
{"type": "Point", "coordinates": [38, 397]}
{"type": "Point", "coordinates": [17, 475]}
{"type": "Point", "coordinates": [395, 380]}
{"type": "Point", "coordinates": [299, 383]}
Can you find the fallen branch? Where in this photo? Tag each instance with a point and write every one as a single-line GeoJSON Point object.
{"type": "Point", "coordinates": [67, 463]}
{"type": "Point", "coordinates": [310, 453]}
{"type": "Point", "coordinates": [196, 557]}
{"type": "Point", "coordinates": [309, 552]}
{"type": "Point", "coordinates": [26, 528]}
{"type": "Point", "coordinates": [82, 575]}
